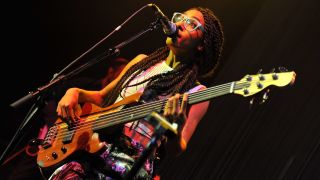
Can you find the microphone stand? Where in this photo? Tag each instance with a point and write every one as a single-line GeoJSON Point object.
{"type": "Point", "coordinates": [57, 79]}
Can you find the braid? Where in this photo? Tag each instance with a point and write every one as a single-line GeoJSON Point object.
{"type": "Point", "coordinates": [178, 80]}
{"type": "Point", "coordinates": [144, 64]}
{"type": "Point", "coordinates": [184, 76]}
{"type": "Point", "coordinates": [212, 42]}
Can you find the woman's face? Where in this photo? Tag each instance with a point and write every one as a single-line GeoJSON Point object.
{"type": "Point", "coordinates": [190, 25]}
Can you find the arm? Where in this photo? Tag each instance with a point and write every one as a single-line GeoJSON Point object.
{"type": "Point", "coordinates": [67, 106]}
{"type": "Point", "coordinates": [196, 113]}
{"type": "Point", "coordinates": [191, 121]}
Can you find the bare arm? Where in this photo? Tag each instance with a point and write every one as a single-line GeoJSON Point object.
{"type": "Point", "coordinates": [191, 121]}
{"type": "Point", "coordinates": [196, 113]}
{"type": "Point", "coordinates": [67, 105]}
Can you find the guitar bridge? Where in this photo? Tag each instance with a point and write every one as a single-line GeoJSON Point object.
{"type": "Point", "coordinates": [50, 137]}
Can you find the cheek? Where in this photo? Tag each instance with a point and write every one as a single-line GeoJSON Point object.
{"type": "Point", "coordinates": [186, 40]}
{"type": "Point", "coordinates": [191, 39]}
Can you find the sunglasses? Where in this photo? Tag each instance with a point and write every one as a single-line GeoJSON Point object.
{"type": "Point", "coordinates": [190, 24]}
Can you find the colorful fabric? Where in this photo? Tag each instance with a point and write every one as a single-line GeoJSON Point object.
{"type": "Point", "coordinates": [117, 161]}
{"type": "Point", "coordinates": [119, 158]}
{"type": "Point", "coordinates": [69, 171]}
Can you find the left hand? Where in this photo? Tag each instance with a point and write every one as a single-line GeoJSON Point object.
{"type": "Point", "coordinates": [178, 114]}
{"type": "Point", "coordinates": [175, 112]}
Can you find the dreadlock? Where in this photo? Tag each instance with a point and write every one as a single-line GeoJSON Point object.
{"type": "Point", "coordinates": [179, 80]}
{"type": "Point", "coordinates": [212, 43]}
{"type": "Point", "coordinates": [184, 76]}
{"type": "Point", "coordinates": [144, 64]}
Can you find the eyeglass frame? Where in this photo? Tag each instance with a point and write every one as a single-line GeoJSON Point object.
{"type": "Point", "coordinates": [184, 20]}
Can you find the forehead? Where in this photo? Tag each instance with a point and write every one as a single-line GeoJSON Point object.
{"type": "Point", "coordinates": [195, 14]}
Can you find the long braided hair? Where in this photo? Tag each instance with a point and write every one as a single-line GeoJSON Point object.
{"type": "Point", "coordinates": [184, 76]}
{"type": "Point", "coordinates": [212, 42]}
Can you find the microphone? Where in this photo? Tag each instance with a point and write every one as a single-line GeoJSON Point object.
{"type": "Point", "coordinates": [169, 28]}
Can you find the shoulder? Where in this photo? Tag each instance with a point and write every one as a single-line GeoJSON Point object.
{"type": "Point", "coordinates": [198, 87]}
{"type": "Point", "coordinates": [137, 59]}
{"type": "Point", "coordinates": [134, 61]}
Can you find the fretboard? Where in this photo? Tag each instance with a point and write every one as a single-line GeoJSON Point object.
{"type": "Point", "coordinates": [141, 111]}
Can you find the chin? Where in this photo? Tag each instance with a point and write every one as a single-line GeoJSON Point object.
{"type": "Point", "coordinates": [169, 41]}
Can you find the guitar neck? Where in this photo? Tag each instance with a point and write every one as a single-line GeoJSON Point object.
{"type": "Point", "coordinates": [211, 93]}
{"type": "Point", "coordinates": [72, 138]}
{"type": "Point", "coordinates": [143, 110]}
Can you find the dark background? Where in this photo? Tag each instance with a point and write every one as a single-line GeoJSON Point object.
{"type": "Point", "coordinates": [278, 139]}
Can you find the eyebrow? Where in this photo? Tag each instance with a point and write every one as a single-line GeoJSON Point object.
{"type": "Point", "coordinates": [191, 16]}
{"type": "Point", "coordinates": [196, 18]}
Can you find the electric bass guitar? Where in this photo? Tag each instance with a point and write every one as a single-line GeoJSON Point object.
{"type": "Point", "coordinates": [62, 140]}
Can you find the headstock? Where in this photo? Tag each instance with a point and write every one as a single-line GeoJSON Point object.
{"type": "Point", "coordinates": [252, 84]}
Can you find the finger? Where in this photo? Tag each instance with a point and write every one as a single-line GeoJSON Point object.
{"type": "Point", "coordinates": [58, 110]}
{"type": "Point", "coordinates": [77, 112]}
{"type": "Point", "coordinates": [168, 107]}
{"type": "Point", "coordinates": [63, 112]}
{"type": "Point", "coordinates": [175, 107]}
{"type": "Point", "coordinates": [71, 114]}
{"type": "Point", "coordinates": [183, 109]}
{"type": "Point", "coordinates": [77, 117]}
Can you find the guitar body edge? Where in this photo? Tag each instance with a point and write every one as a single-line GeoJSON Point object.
{"type": "Point", "coordinates": [84, 140]}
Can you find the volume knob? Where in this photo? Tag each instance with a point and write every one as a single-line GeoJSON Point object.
{"type": "Point", "coordinates": [64, 149]}
{"type": "Point", "coordinates": [54, 155]}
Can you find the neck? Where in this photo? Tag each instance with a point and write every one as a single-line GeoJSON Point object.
{"type": "Point", "coordinates": [174, 60]}
{"type": "Point", "coordinates": [171, 60]}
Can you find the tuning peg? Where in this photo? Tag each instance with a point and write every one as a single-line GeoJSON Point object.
{"type": "Point", "coordinates": [273, 70]}
{"type": "Point", "coordinates": [251, 102]}
{"type": "Point", "coordinates": [260, 71]}
{"type": "Point", "coordinates": [274, 74]}
{"type": "Point", "coordinates": [265, 96]}
{"type": "Point", "coordinates": [282, 69]}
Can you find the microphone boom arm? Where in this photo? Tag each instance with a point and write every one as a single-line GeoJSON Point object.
{"type": "Point", "coordinates": [40, 91]}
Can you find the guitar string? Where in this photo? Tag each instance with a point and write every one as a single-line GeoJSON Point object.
{"type": "Point", "coordinates": [104, 124]}
{"type": "Point", "coordinates": [87, 124]}
{"type": "Point", "coordinates": [101, 121]}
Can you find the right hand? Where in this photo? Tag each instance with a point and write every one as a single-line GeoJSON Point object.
{"type": "Point", "coordinates": [67, 106]}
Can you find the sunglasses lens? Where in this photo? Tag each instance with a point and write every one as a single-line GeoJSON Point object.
{"type": "Point", "coordinates": [189, 23]}
{"type": "Point", "coordinates": [177, 18]}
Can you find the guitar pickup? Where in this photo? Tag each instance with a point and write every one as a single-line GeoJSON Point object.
{"type": "Point", "coordinates": [68, 137]}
